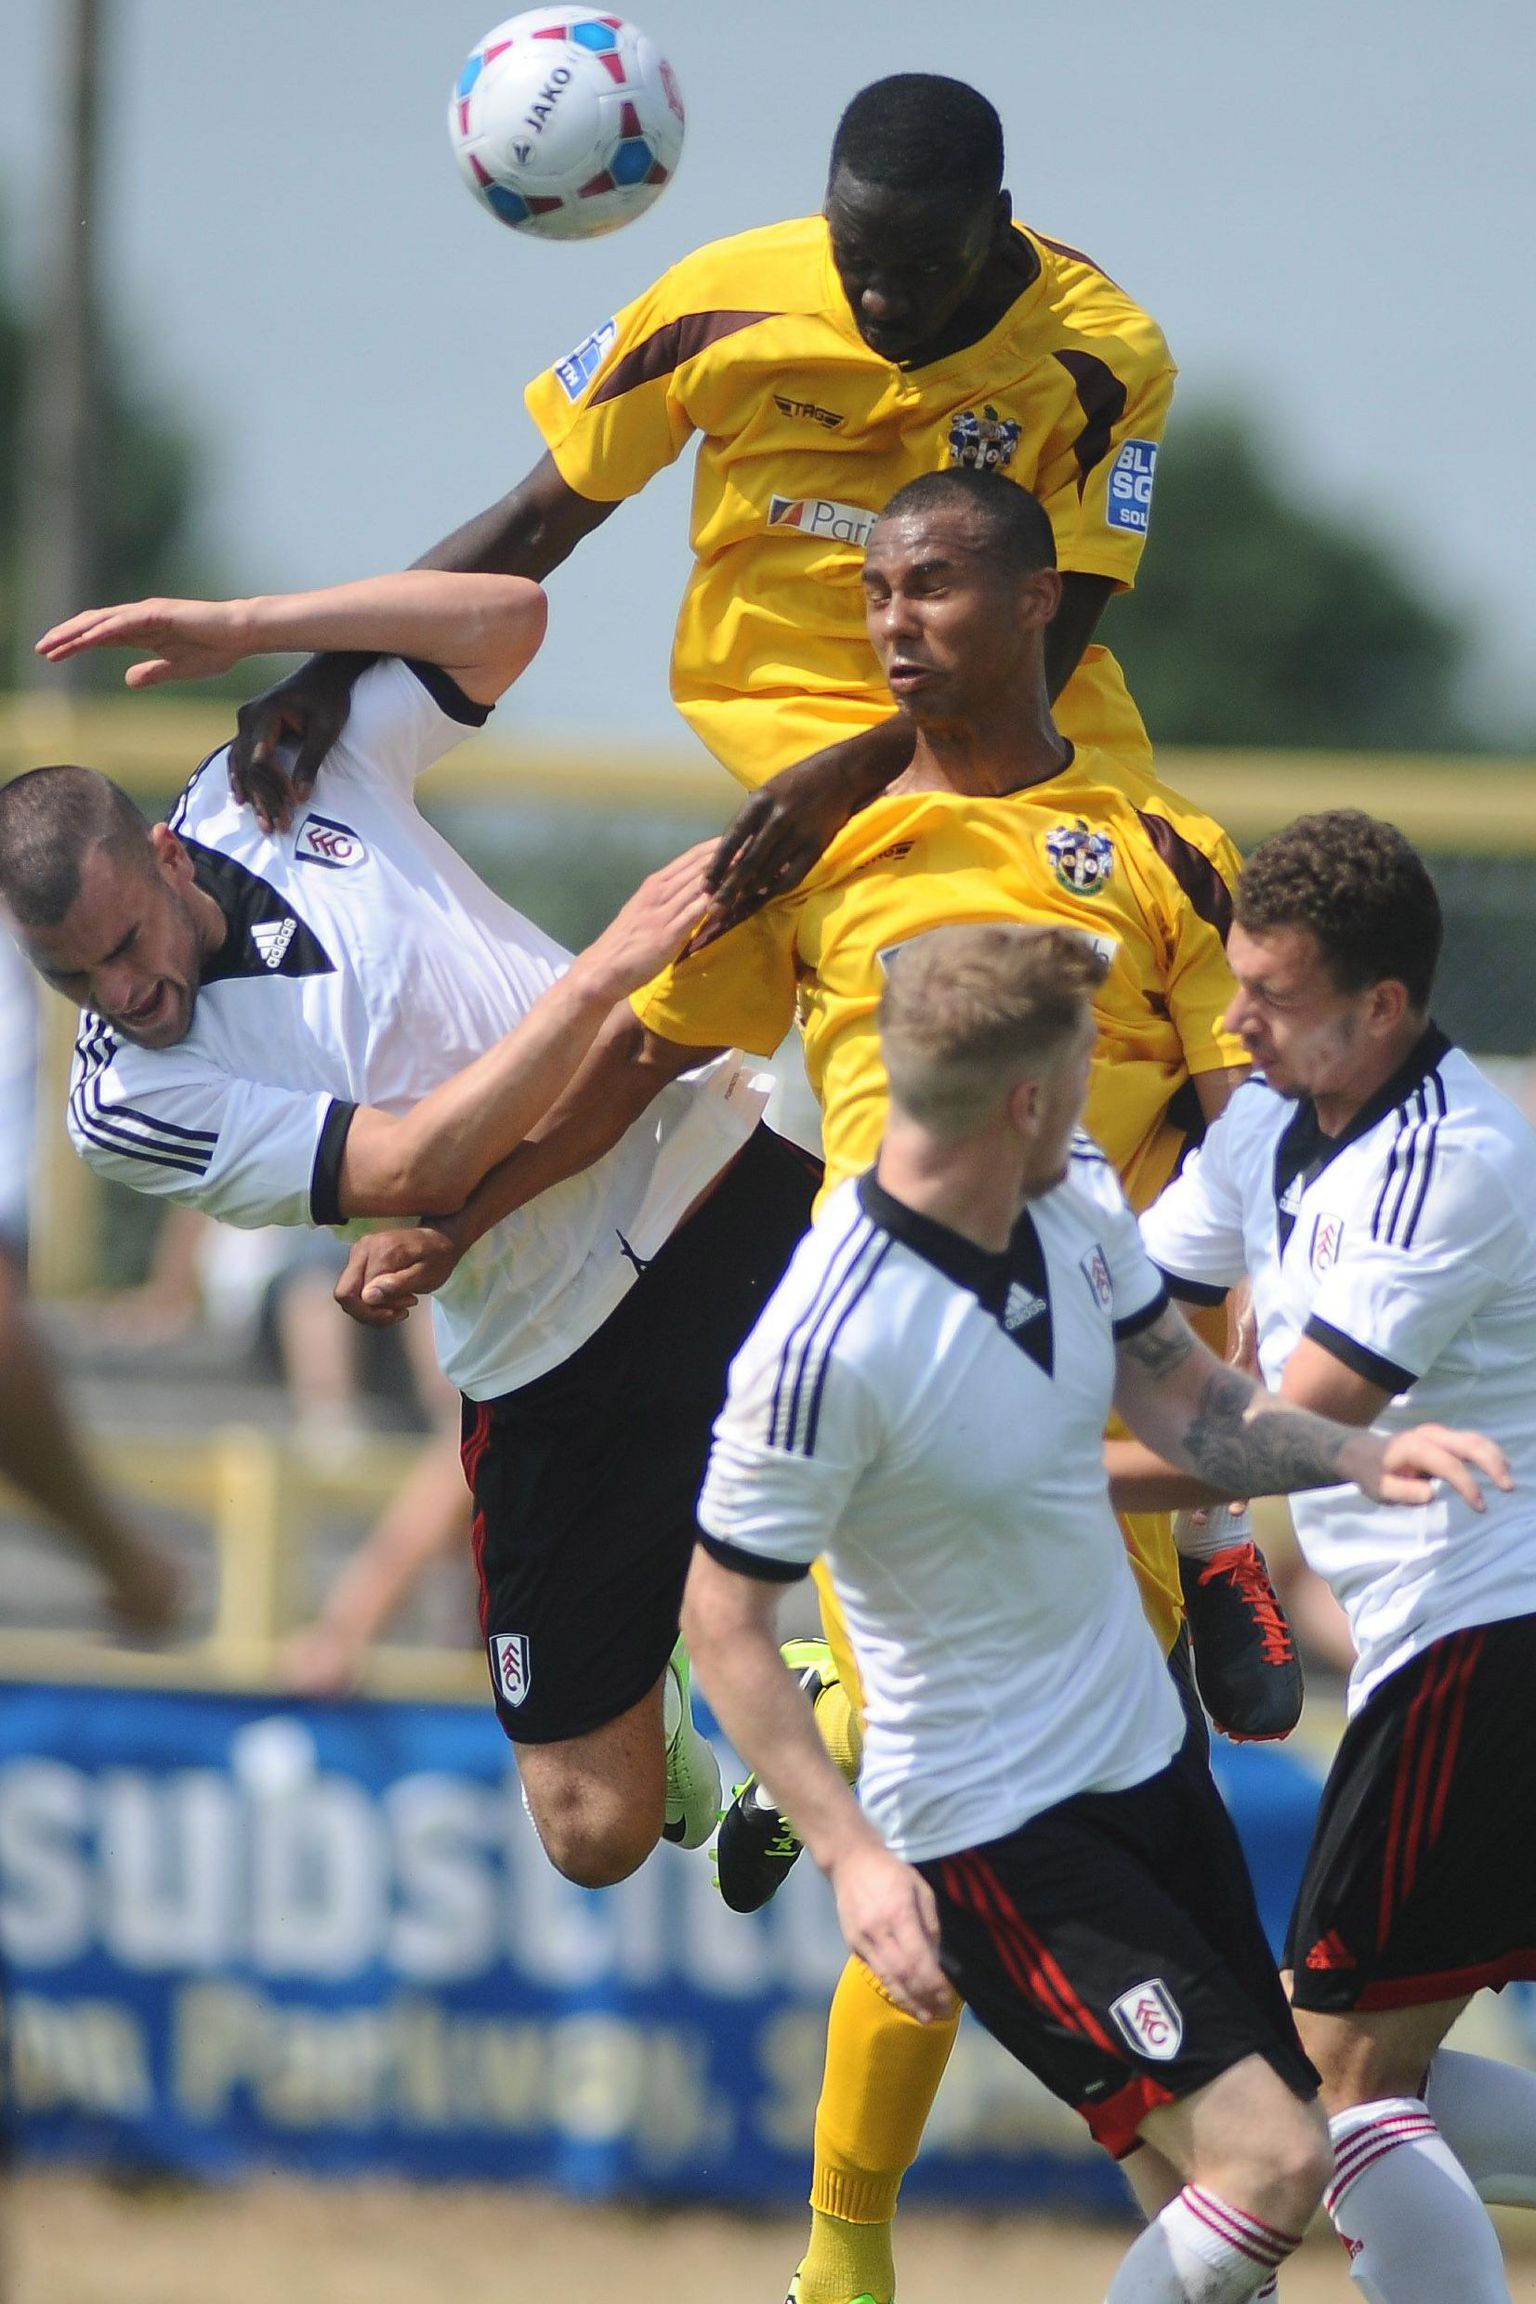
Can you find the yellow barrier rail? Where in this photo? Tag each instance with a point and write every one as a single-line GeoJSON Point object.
{"type": "Point", "coordinates": [1450, 804]}
{"type": "Point", "coordinates": [259, 1499]}
{"type": "Point", "coordinates": [256, 1495]}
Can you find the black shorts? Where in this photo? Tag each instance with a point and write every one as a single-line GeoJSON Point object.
{"type": "Point", "coordinates": [1421, 1884]}
{"type": "Point", "coordinates": [585, 1481]}
{"type": "Point", "coordinates": [1114, 1947]}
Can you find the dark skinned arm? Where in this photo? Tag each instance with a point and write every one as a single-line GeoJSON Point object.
{"type": "Point", "coordinates": [284, 734]}
{"type": "Point", "coordinates": [625, 1070]}
{"type": "Point", "coordinates": [1083, 601]}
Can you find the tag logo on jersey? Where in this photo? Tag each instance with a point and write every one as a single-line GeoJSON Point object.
{"type": "Point", "coordinates": [272, 939]}
{"type": "Point", "coordinates": [828, 417]}
{"type": "Point", "coordinates": [321, 840]}
{"type": "Point", "coordinates": [1129, 503]}
{"type": "Point", "coordinates": [1327, 1239]}
{"type": "Point", "coordinates": [509, 1665]}
{"type": "Point", "coordinates": [1022, 1306]}
{"type": "Point", "coordinates": [819, 516]}
{"type": "Point", "coordinates": [1330, 1953]}
{"type": "Point", "coordinates": [576, 371]}
{"type": "Point", "coordinates": [1095, 1270]}
{"type": "Point", "coordinates": [982, 441]}
{"type": "Point", "coordinates": [1290, 1198]}
{"type": "Point", "coordinates": [1149, 2020]}
{"type": "Point", "coordinates": [1083, 861]}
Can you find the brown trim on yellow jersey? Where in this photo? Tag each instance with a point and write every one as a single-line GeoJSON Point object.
{"type": "Point", "coordinates": [1101, 396]}
{"type": "Point", "coordinates": [667, 348]}
{"type": "Point", "coordinates": [1077, 256]}
{"type": "Point", "coordinates": [1208, 893]}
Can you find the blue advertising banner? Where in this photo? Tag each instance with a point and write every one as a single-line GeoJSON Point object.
{"type": "Point", "coordinates": [244, 1935]}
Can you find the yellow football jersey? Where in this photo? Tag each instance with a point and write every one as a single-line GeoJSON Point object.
{"type": "Point", "coordinates": [1141, 872]}
{"type": "Point", "coordinates": [1125, 861]}
{"type": "Point", "coordinates": [805, 434]}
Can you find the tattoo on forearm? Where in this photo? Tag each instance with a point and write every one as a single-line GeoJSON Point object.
{"type": "Point", "coordinates": [1263, 1455]}
{"type": "Point", "coordinates": [1166, 1345]}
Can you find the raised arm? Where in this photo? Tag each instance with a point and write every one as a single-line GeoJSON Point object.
{"type": "Point", "coordinates": [285, 733]}
{"type": "Point", "coordinates": [483, 629]}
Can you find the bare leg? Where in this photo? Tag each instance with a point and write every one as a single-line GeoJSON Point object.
{"type": "Point", "coordinates": [598, 1801]}
{"type": "Point", "coordinates": [426, 1520]}
{"type": "Point", "coordinates": [40, 1454]}
{"type": "Point", "coordinates": [1253, 2159]}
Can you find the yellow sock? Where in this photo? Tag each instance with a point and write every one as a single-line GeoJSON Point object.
{"type": "Point", "coordinates": [847, 2263]}
{"type": "Point", "coordinates": [882, 2073]}
{"type": "Point", "coordinates": [837, 1724]}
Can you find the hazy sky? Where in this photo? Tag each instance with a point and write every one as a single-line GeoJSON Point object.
{"type": "Point", "coordinates": [1329, 206]}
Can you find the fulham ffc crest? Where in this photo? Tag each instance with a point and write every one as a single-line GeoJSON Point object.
{"type": "Point", "coordinates": [1148, 2018]}
{"type": "Point", "coordinates": [509, 1666]}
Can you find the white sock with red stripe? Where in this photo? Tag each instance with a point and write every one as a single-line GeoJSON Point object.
{"type": "Point", "coordinates": [1404, 2207]}
{"type": "Point", "coordinates": [1201, 2250]}
{"type": "Point", "coordinates": [1486, 2111]}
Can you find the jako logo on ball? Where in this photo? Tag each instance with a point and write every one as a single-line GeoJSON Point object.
{"type": "Point", "coordinates": [566, 122]}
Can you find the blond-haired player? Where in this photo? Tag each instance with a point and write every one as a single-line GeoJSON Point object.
{"type": "Point", "coordinates": [921, 1404]}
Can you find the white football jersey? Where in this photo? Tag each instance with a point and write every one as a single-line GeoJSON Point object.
{"type": "Point", "coordinates": [931, 1417]}
{"type": "Point", "coordinates": [1406, 1246]}
{"type": "Point", "coordinates": [364, 963]}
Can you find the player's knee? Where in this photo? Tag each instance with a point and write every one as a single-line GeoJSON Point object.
{"type": "Point", "coordinates": [1261, 2147]}
{"type": "Point", "coordinates": [591, 1839]}
{"type": "Point", "coordinates": [1290, 2162]}
{"type": "Point", "coordinates": [1302, 2166]}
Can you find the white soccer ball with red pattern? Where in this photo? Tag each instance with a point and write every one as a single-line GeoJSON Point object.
{"type": "Point", "coordinates": [566, 122]}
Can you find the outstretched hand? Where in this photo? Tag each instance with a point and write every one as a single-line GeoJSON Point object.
{"type": "Point", "coordinates": [192, 639]}
{"type": "Point", "coordinates": [771, 842]}
{"type": "Point", "coordinates": [653, 927]}
{"type": "Point", "coordinates": [1412, 1463]}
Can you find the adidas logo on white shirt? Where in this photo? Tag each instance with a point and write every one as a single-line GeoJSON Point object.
{"type": "Point", "coordinates": [1021, 1307]}
{"type": "Point", "coordinates": [272, 939]}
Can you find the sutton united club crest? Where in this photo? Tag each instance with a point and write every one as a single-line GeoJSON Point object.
{"type": "Point", "coordinates": [984, 442]}
{"type": "Point", "coordinates": [1081, 860]}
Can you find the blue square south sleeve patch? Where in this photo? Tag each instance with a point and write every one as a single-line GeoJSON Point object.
{"type": "Point", "coordinates": [1129, 503]}
{"type": "Point", "coordinates": [578, 368]}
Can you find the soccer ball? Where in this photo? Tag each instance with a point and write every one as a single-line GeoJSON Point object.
{"type": "Point", "coordinates": [566, 122]}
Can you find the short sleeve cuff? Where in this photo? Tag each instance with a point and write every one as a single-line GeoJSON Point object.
{"type": "Point", "coordinates": [446, 693]}
{"type": "Point", "coordinates": [753, 1563]}
{"type": "Point", "coordinates": [1371, 1365]}
{"type": "Point", "coordinates": [1203, 1292]}
{"type": "Point", "coordinates": [325, 1180]}
{"type": "Point", "coordinates": [1134, 1322]}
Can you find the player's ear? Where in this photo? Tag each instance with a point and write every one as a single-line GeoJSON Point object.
{"type": "Point", "coordinates": [1002, 214]}
{"type": "Point", "coordinates": [1040, 597]}
{"type": "Point", "coordinates": [1024, 1108]}
{"type": "Point", "coordinates": [170, 853]}
{"type": "Point", "coordinates": [1389, 1004]}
